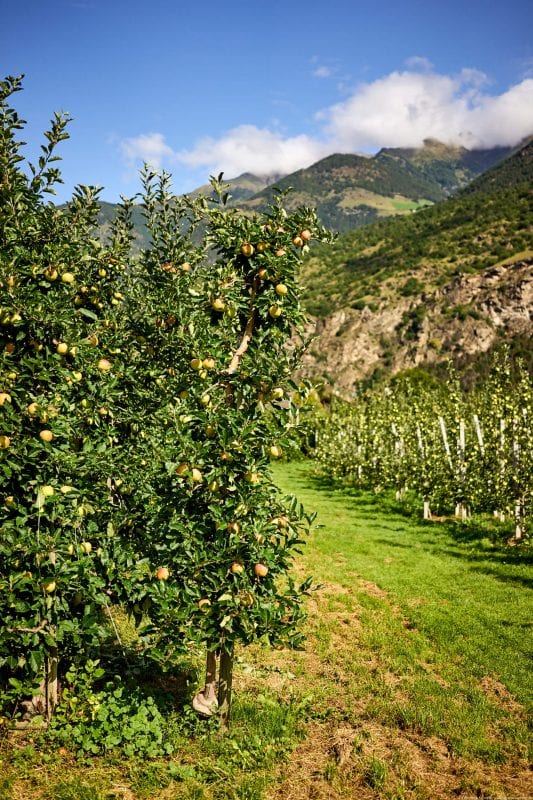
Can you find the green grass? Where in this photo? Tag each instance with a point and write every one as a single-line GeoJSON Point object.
{"type": "Point", "coordinates": [471, 598]}
{"type": "Point", "coordinates": [413, 684]}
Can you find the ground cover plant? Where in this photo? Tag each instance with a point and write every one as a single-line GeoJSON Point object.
{"type": "Point", "coordinates": [413, 682]}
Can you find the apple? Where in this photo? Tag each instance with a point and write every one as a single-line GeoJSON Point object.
{"type": "Point", "coordinates": [204, 604]}
{"type": "Point", "coordinates": [185, 267]}
{"type": "Point", "coordinates": [86, 547]}
{"type": "Point", "coordinates": [281, 289]}
{"type": "Point", "coordinates": [247, 249]}
{"type": "Point", "coordinates": [10, 501]}
{"type": "Point", "coordinates": [68, 277]}
{"type": "Point", "coordinates": [104, 365]}
{"type": "Point", "coordinates": [277, 393]}
{"type": "Point", "coordinates": [210, 431]}
{"type": "Point", "coordinates": [196, 475]}
{"type": "Point", "coordinates": [233, 527]}
{"type": "Point", "coordinates": [182, 470]}
{"type": "Point", "coordinates": [162, 573]}
{"type": "Point", "coordinates": [218, 304]}
{"type": "Point", "coordinates": [70, 549]}
{"type": "Point", "coordinates": [275, 311]}
{"type": "Point", "coordinates": [306, 235]}
{"type": "Point", "coordinates": [261, 570]}
{"type": "Point", "coordinates": [47, 491]}
{"type": "Point", "coordinates": [262, 274]}
{"type": "Point", "coordinates": [4, 398]}
{"type": "Point", "coordinates": [46, 435]}
{"type": "Point", "coordinates": [102, 272]}
{"type": "Point", "coordinates": [275, 451]}
{"type": "Point", "coordinates": [208, 363]}
{"type": "Point", "coordinates": [66, 489]}
{"type": "Point", "coordinates": [225, 456]}
{"type": "Point", "coordinates": [62, 348]}
{"type": "Point", "coordinates": [246, 599]}
{"type": "Point", "coordinates": [298, 241]}
{"type": "Point", "coordinates": [196, 364]}
{"type": "Point", "coordinates": [237, 568]}
{"type": "Point", "coordinates": [51, 274]}
{"type": "Point", "coordinates": [49, 587]}
{"type": "Point", "coordinates": [281, 252]}
{"type": "Point", "coordinates": [93, 339]}
{"type": "Point", "coordinates": [205, 399]}
{"type": "Point", "coordinates": [103, 411]}
{"type": "Point", "coordinates": [251, 477]}
{"type": "Point", "coordinates": [9, 348]}
{"type": "Point", "coordinates": [262, 246]}
{"type": "Point", "coordinates": [214, 486]}
{"type": "Point", "coordinates": [77, 376]}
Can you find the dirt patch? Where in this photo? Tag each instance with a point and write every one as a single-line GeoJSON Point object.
{"type": "Point", "coordinates": [373, 589]}
{"type": "Point", "coordinates": [501, 696]}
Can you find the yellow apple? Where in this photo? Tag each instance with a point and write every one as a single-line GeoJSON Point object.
{"type": "Point", "coordinates": [237, 568]}
{"type": "Point", "coordinates": [104, 365]}
{"type": "Point", "coordinates": [277, 393]}
{"type": "Point", "coordinates": [208, 363]}
{"type": "Point", "coordinates": [49, 587]}
{"type": "Point", "coordinates": [46, 435]}
{"type": "Point", "coordinates": [68, 277]}
{"type": "Point", "coordinates": [281, 289]}
{"type": "Point", "coordinates": [306, 235]}
{"type": "Point", "coordinates": [298, 241]}
{"type": "Point", "coordinates": [86, 547]}
{"type": "Point", "coordinates": [196, 364]}
{"type": "Point", "coordinates": [196, 475]}
{"type": "Point", "coordinates": [275, 311]}
{"type": "Point", "coordinates": [62, 348]}
{"type": "Point", "coordinates": [218, 304]}
{"type": "Point", "coordinates": [247, 249]}
{"type": "Point", "coordinates": [47, 491]}
{"type": "Point", "coordinates": [4, 398]}
{"type": "Point", "coordinates": [275, 451]}
{"type": "Point", "coordinates": [261, 570]}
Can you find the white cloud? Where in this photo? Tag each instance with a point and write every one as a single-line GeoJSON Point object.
{"type": "Point", "coordinates": [148, 147]}
{"type": "Point", "coordinates": [322, 72]}
{"type": "Point", "coordinates": [404, 108]}
{"type": "Point", "coordinates": [251, 149]}
{"type": "Point", "coordinates": [420, 63]}
{"type": "Point", "coordinates": [399, 110]}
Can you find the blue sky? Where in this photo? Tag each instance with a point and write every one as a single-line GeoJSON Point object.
{"type": "Point", "coordinates": [205, 86]}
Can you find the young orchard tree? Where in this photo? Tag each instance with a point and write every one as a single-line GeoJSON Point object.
{"type": "Point", "coordinates": [59, 444]}
{"type": "Point", "coordinates": [215, 341]}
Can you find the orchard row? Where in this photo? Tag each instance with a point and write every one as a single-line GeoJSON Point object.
{"type": "Point", "coordinates": [141, 401]}
{"type": "Point", "coordinates": [460, 453]}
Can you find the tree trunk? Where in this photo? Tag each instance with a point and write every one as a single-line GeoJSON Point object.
{"type": "Point", "coordinates": [224, 686]}
{"type": "Point", "coordinates": [205, 702]}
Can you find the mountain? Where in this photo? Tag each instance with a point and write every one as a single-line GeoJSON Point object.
{"type": "Point", "coordinates": [449, 166]}
{"type": "Point", "coordinates": [242, 187]}
{"type": "Point", "coordinates": [453, 280]}
{"type": "Point", "coordinates": [350, 191]}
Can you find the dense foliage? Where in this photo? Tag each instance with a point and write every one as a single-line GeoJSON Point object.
{"type": "Point", "coordinates": [141, 401]}
{"type": "Point", "coordinates": [464, 234]}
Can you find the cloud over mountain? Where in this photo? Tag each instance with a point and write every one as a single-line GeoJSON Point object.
{"type": "Point", "coordinates": [398, 110]}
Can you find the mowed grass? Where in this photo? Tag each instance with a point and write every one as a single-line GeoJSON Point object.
{"type": "Point", "coordinates": [413, 684]}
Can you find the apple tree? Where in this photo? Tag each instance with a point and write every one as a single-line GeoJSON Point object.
{"type": "Point", "coordinates": [60, 300]}
{"type": "Point", "coordinates": [216, 321]}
